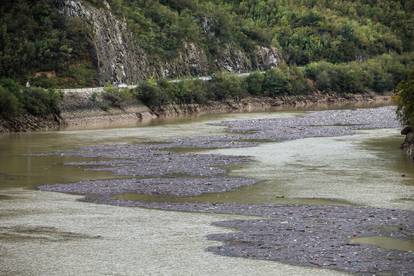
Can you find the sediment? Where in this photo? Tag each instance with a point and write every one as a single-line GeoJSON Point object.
{"type": "Point", "coordinates": [28, 122]}
{"type": "Point", "coordinates": [84, 109]}
{"type": "Point", "coordinates": [318, 236]}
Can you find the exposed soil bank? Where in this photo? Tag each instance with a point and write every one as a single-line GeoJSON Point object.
{"type": "Point", "coordinates": [29, 123]}
{"type": "Point", "coordinates": [251, 104]}
{"type": "Point", "coordinates": [85, 110]}
{"type": "Point", "coordinates": [318, 236]}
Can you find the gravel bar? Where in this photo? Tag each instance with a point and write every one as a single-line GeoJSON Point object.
{"type": "Point", "coordinates": [318, 236]}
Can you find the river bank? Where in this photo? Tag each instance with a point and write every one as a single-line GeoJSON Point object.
{"type": "Point", "coordinates": [85, 110]}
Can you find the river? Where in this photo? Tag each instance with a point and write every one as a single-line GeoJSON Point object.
{"type": "Point", "coordinates": [44, 233]}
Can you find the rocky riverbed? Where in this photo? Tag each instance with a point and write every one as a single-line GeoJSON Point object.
{"type": "Point", "coordinates": [301, 235]}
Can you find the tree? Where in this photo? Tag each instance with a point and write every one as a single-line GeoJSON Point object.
{"type": "Point", "coordinates": [9, 105]}
{"type": "Point", "coordinates": [277, 83]}
{"type": "Point", "coordinates": [405, 96]}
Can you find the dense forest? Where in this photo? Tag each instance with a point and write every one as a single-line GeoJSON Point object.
{"type": "Point", "coordinates": [335, 46]}
{"type": "Point", "coordinates": [35, 37]}
{"type": "Point", "coordinates": [305, 30]}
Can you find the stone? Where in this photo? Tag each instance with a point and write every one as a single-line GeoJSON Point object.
{"type": "Point", "coordinates": [406, 130]}
{"type": "Point", "coordinates": [121, 59]}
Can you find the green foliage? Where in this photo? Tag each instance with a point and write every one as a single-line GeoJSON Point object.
{"type": "Point", "coordinates": [157, 94]}
{"type": "Point", "coordinates": [254, 83]}
{"type": "Point", "coordinates": [41, 102]}
{"type": "Point", "coordinates": [285, 81]}
{"type": "Point", "coordinates": [151, 94]}
{"type": "Point", "coordinates": [116, 97]}
{"type": "Point", "coordinates": [227, 86]}
{"type": "Point", "coordinates": [305, 30]}
{"type": "Point", "coordinates": [299, 84]}
{"type": "Point", "coordinates": [335, 31]}
{"type": "Point", "coordinates": [195, 91]}
{"type": "Point", "coordinates": [405, 95]}
{"type": "Point", "coordinates": [15, 100]}
{"type": "Point", "coordinates": [277, 82]}
{"type": "Point", "coordinates": [9, 105]}
{"type": "Point", "coordinates": [35, 37]}
{"type": "Point", "coordinates": [379, 74]}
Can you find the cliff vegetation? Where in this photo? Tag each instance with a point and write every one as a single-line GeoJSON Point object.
{"type": "Point", "coordinates": [53, 44]}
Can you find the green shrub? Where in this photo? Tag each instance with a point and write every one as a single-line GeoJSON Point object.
{"type": "Point", "coordinates": [44, 82]}
{"type": "Point", "coordinates": [16, 99]}
{"type": "Point", "coordinates": [405, 93]}
{"type": "Point", "coordinates": [254, 83]}
{"type": "Point", "coordinates": [299, 84]}
{"type": "Point", "coordinates": [116, 97]}
{"type": "Point", "coordinates": [41, 102]}
{"type": "Point", "coordinates": [226, 86]}
{"type": "Point", "coordinates": [36, 37]}
{"type": "Point", "coordinates": [9, 104]}
{"type": "Point", "coordinates": [277, 82]}
{"type": "Point", "coordinates": [380, 74]}
{"type": "Point", "coordinates": [151, 94]}
{"type": "Point", "coordinates": [195, 91]}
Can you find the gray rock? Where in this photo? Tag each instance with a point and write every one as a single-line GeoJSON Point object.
{"type": "Point", "coordinates": [121, 59]}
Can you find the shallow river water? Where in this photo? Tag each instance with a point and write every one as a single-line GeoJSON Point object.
{"type": "Point", "coordinates": [45, 233]}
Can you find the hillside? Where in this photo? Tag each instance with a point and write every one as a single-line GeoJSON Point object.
{"type": "Point", "coordinates": [88, 42]}
{"type": "Point", "coordinates": [303, 48]}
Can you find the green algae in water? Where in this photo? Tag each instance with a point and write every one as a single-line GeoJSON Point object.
{"type": "Point", "coordinates": [320, 170]}
{"type": "Point", "coordinates": [364, 169]}
{"type": "Point", "coordinates": [386, 243]}
{"type": "Point", "coordinates": [22, 233]}
{"type": "Point", "coordinates": [187, 149]}
{"type": "Point", "coordinates": [4, 197]}
{"type": "Point", "coordinates": [24, 160]}
{"type": "Point", "coordinates": [20, 168]}
{"type": "Point", "coordinates": [387, 148]}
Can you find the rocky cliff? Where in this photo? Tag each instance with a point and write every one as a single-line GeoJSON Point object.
{"type": "Point", "coordinates": [120, 58]}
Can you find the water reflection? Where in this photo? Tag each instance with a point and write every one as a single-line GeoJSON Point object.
{"type": "Point", "coordinates": [19, 168]}
{"type": "Point", "coordinates": [386, 243]}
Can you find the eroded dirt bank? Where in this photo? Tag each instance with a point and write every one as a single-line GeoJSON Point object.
{"type": "Point", "coordinates": [300, 235]}
{"type": "Point", "coordinates": [83, 110]}
{"type": "Point", "coordinates": [79, 112]}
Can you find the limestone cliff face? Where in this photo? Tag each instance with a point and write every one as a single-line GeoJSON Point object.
{"type": "Point", "coordinates": [119, 57]}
